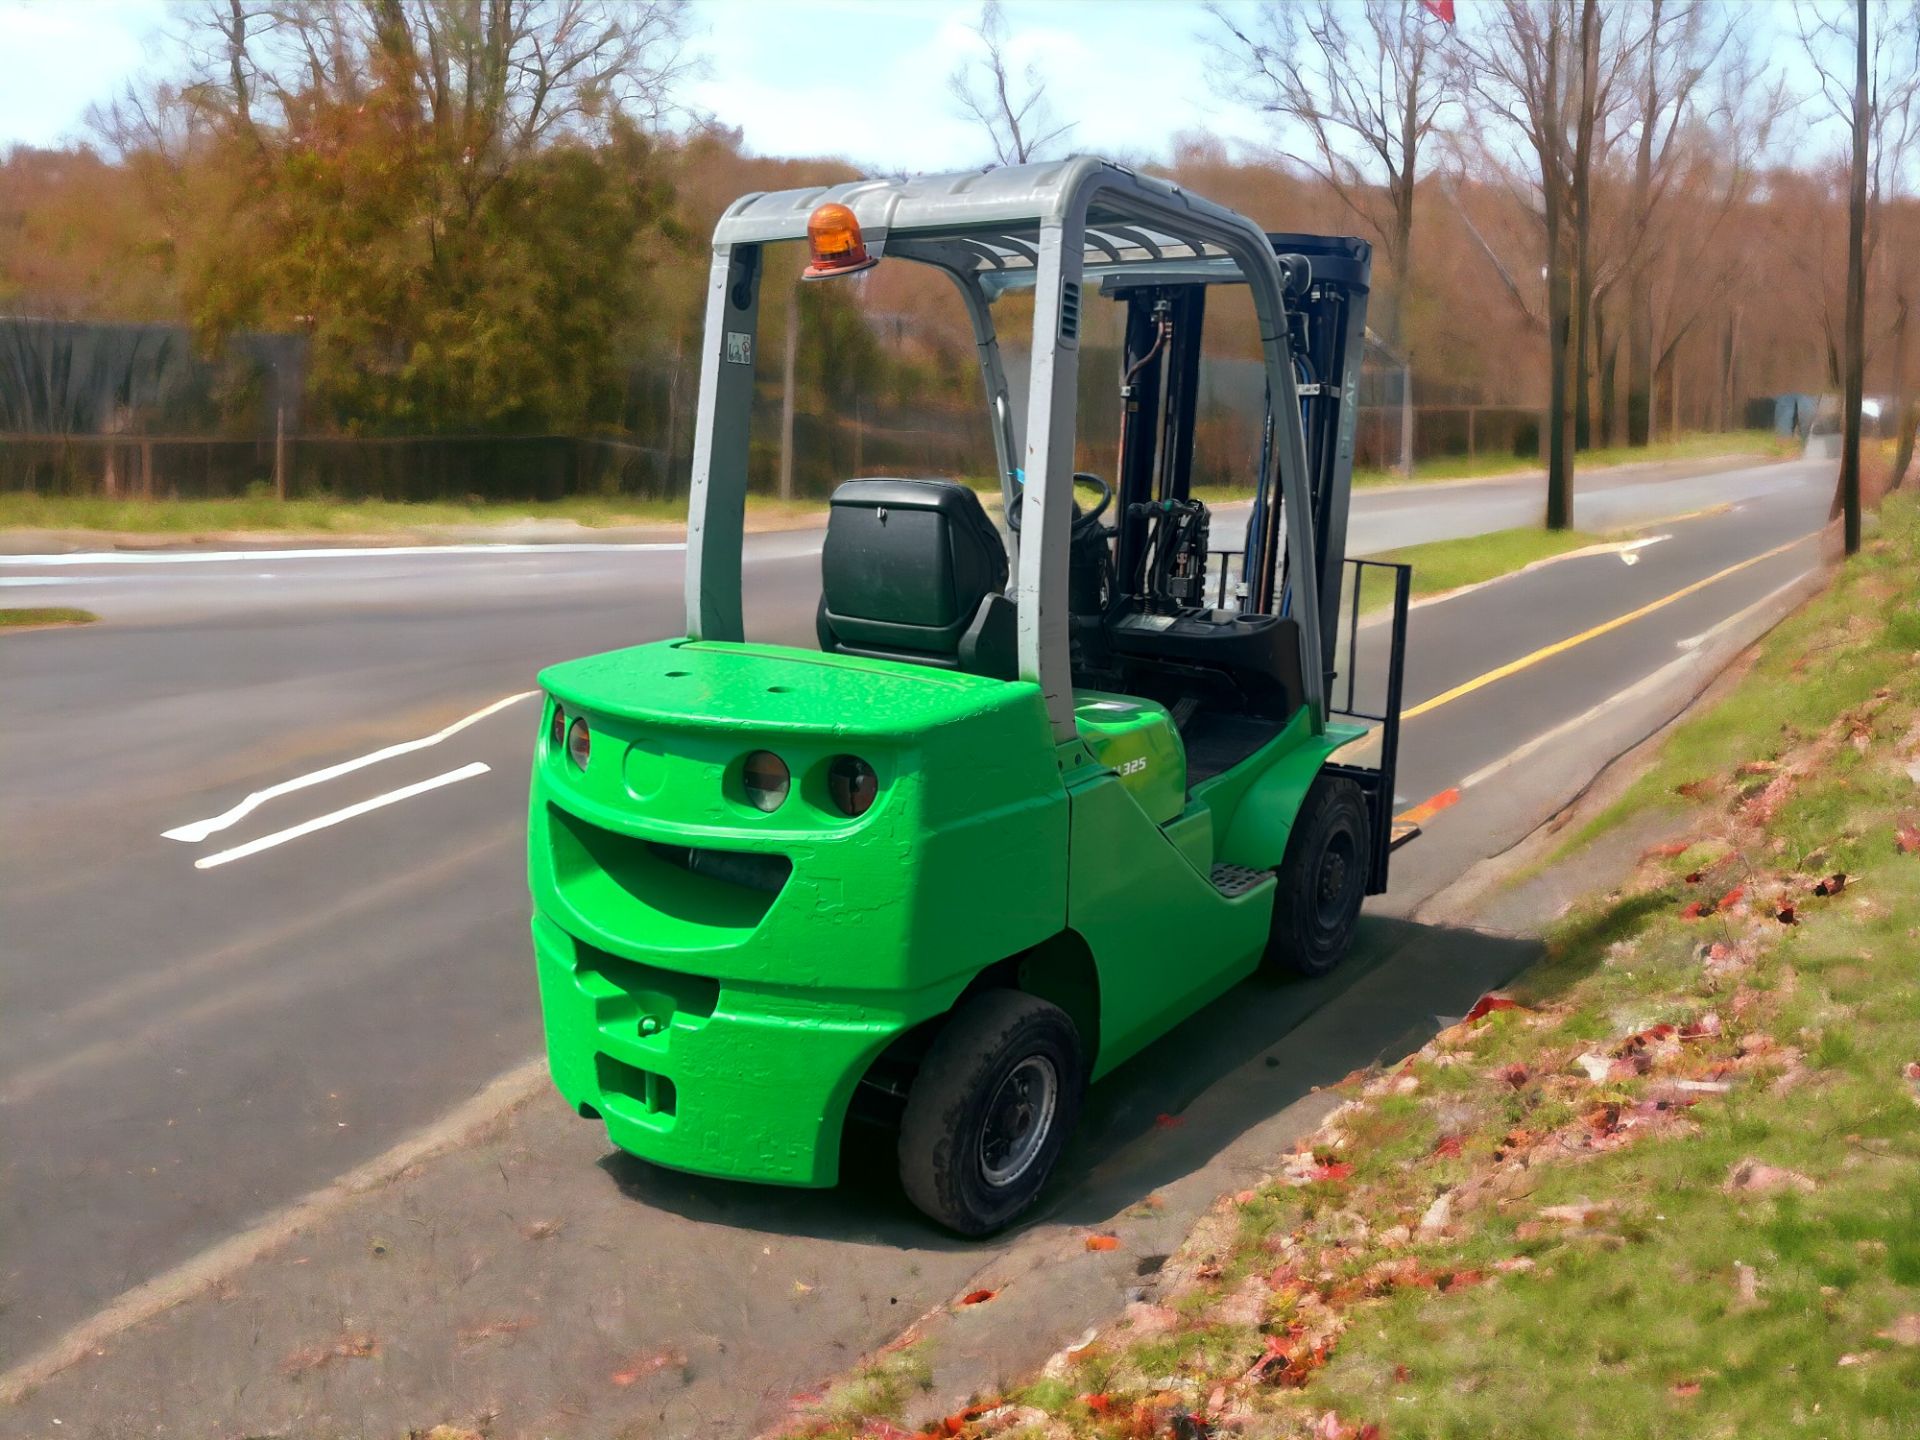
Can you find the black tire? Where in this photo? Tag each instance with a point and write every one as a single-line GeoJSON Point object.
{"type": "Point", "coordinates": [1000, 1089]}
{"type": "Point", "coordinates": [1323, 879]}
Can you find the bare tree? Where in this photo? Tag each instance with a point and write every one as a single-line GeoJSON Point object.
{"type": "Point", "coordinates": [1014, 113]}
{"type": "Point", "coordinates": [1684, 40]}
{"type": "Point", "coordinates": [499, 78]}
{"type": "Point", "coordinates": [1691, 252]}
{"type": "Point", "coordinates": [1366, 86]}
{"type": "Point", "coordinates": [1856, 288]}
{"type": "Point", "coordinates": [1879, 101]}
{"type": "Point", "coordinates": [1518, 125]}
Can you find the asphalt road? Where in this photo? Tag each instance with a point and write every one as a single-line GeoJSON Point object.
{"type": "Point", "coordinates": [198, 1031]}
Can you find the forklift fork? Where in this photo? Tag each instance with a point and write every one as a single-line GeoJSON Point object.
{"type": "Point", "coordinates": [1376, 782]}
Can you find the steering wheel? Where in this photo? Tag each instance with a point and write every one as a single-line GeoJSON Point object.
{"type": "Point", "coordinates": [1084, 522]}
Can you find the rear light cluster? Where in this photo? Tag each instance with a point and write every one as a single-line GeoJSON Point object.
{"type": "Point", "coordinates": [766, 780]}
{"type": "Point", "coordinates": [572, 738]}
{"type": "Point", "coordinates": [851, 783]}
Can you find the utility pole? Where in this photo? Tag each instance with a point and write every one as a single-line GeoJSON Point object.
{"type": "Point", "coordinates": [787, 378]}
{"type": "Point", "coordinates": [1855, 383]}
{"type": "Point", "coordinates": [1406, 415]}
{"type": "Point", "coordinates": [1559, 321]}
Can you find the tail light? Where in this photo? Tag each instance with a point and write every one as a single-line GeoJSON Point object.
{"type": "Point", "coordinates": [852, 784]}
{"type": "Point", "coordinates": [765, 778]}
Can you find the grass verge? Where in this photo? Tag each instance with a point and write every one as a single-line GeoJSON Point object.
{"type": "Point", "coordinates": [1704, 446]}
{"type": "Point", "coordinates": [324, 515]}
{"type": "Point", "coordinates": [1443, 565]}
{"type": "Point", "coordinates": [1664, 1186]}
{"type": "Point", "coordinates": [45, 615]}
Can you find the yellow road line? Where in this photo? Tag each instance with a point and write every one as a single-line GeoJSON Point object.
{"type": "Point", "coordinates": [1559, 647]}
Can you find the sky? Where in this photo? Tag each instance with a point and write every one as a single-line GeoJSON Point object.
{"type": "Point", "coordinates": [863, 79]}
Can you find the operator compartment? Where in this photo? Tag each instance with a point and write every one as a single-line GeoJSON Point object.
{"type": "Point", "coordinates": [1227, 660]}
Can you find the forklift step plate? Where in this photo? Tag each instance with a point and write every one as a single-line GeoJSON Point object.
{"type": "Point", "coordinates": [1236, 880]}
{"type": "Point", "coordinates": [1403, 831]}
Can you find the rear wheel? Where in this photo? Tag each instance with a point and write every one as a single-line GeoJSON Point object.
{"type": "Point", "coordinates": [1323, 879]}
{"type": "Point", "coordinates": [990, 1111]}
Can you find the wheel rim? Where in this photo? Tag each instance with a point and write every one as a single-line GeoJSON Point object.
{"type": "Point", "coordinates": [1019, 1118]}
{"type": "Point", "coordinates": [1332, 896]}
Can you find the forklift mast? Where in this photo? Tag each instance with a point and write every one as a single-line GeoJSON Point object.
{"type": "Point", "coordinates": [1327, 315]}
{"type": "Point", "coordinates": [1328, 280]}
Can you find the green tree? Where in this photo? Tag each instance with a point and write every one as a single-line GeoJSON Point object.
{"type": "Point", "coordinates": [456, 201]}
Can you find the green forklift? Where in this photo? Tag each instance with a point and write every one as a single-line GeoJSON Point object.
{"type": "Point", "coordinates": [1037, 797]}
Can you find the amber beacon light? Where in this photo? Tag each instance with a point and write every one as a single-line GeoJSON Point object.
{"type": "Point", "coordinates": [833, 235]}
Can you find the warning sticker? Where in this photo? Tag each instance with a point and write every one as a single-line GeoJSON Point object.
{"type": "Point", "coordinates": [739, 347]}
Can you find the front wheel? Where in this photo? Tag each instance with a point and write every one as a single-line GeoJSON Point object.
{"type": "Point", "coordinates": [1323, 879]}
{"type": "Point", "coordinates": [990, 1111]}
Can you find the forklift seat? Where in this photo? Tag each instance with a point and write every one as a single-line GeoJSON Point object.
{"type": "Point", "coordinates": [914, 570]}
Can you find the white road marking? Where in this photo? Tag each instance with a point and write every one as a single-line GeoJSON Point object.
{"type": "Point", "coordinates": [367, 552]}
{"type": "Point", "coordinates": [42, 580]}
{"type": "Point", "coordinates": [1688, 658]}
{"type": "Point", "coordinates": [1645, 683]}
{"type": "Point", "coordinates": [321, 822]}
{"type": "Point", "coordinates": [199, 830]}
{"type": "Point", "coordinates": [1694, 642]}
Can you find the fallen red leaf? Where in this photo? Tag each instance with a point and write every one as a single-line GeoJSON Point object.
{"type": "Point", "coordinates": [1694, 909]}
{"type": "Point", "coordinates": [1732, 898]}
{"type": "Point", "coordinates": [1103, 1242]}
{"type": "Point", "coordinates": [1514, 1140]}
{"type": "Point", "coordinates": [1515, 1075]}
{"type": "Point", "coordinates": [1402, 1374]}
{"type": "Point", "coordinates": [1694, 877]}
{"type": "Point", "coordinates": [1786, 915]}
{"type": "Point", "coordinates": [1449, 1145]}
{"type": "Point", "coordinates": [1339, 1170]}
{"type": "Point", "coordinates": [1686, 1389]}
{"type": "Point", "coordinates": [1907, 840]}
{"type": "Point", "coordinates": [1704, 1028]}
{"type": "Point", "coordinates": [350, 1346]}
{"type": "Point", "coordinates": [1169, 1122]}
{"type": "Point", "coordinates": [978, 1297]}
{"type": "Point", "coordinates": [1099, 1404]}
{"type": "Point", "coordinates": [649, 1365]}
{"type": "Point", "coordinates": [1489, 1003]}
{"type": "Point", "coordinates": [1460, 1280]}
{"type": "Point", "coordinates": [1832, 885]}
{"type": "Point", "coordinates": [958, 1423]}
{"type": "Point", "coordinates": [1667, 850]}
